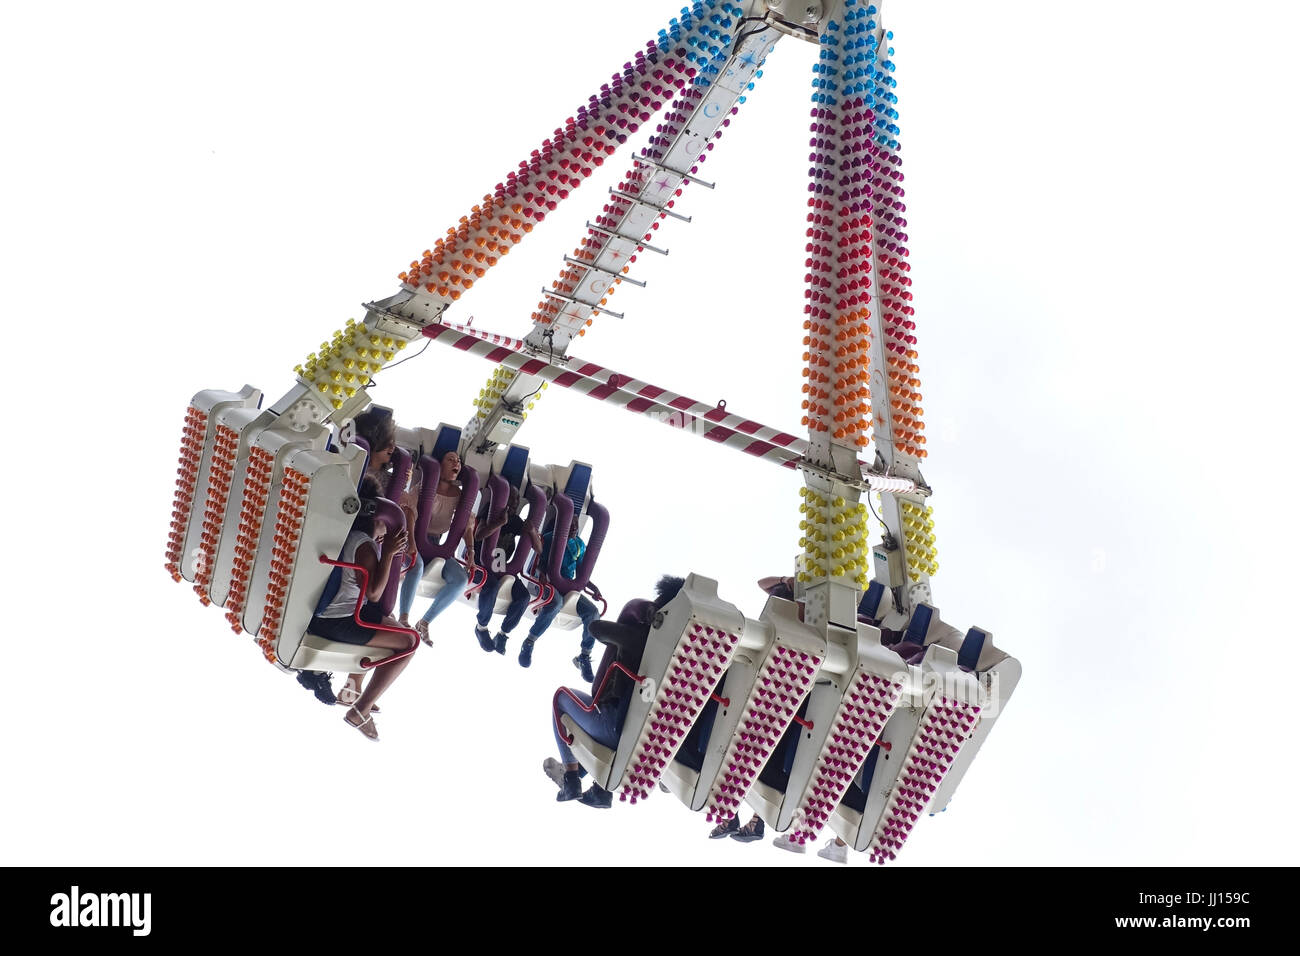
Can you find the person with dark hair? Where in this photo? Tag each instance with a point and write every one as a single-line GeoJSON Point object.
{"type": "Point", "coordinates": [625, 644]}
{"type": "Point", "coordinates": [511, 525]}
{"type": "Point", "coordinates": [454, 576]}
{"type": "Point", "coordinates": [413, 573]}
{"type": "Point", "coordinates": [377, 427]}
{"type": "Point", "coordinates": [587, 611]}
{"type": "Point", "coordinates": [336, 622]}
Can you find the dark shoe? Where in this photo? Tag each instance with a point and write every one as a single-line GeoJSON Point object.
{"type": "Point", "coordinates": [751, 831]}
{"type": "Point", "coordinates": [570, 788]}
{"type": "Point", "coordinates": [499, 645]}
{"type": "Point", "coordinates": [583, 663]}
{"type": "Point", "coordinates": [485, 639]}
{"type": "Point", "coordinates": [725, 829]}
{"type": "Point", "coordinates": [526, 652]}
{"type": "Point", "coordinates": [597, 797]}
{"type": "Point", "coordinates": [318, 683]}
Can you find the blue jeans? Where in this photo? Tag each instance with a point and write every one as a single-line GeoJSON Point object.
{"type": "Point", "coordinates": [602, 726]}
{"type": "Point", "coordinates": [587, 612]}
{"type": "Point", "coordinates": [487, 599]}
{"type": "Point", "coordinates": [411, 584]}
{"type": "Point", "coordinates": [456, 579]}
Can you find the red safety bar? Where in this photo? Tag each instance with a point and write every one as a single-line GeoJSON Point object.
{"type": "Point", "coordinates": [367, 663]}
{"type": "Point", "coordinates": [803, 723]}
{"type": "Point", "coordinates": [604, 605]}
{"type": "Point", "coordinates": [724, 701]}
{"type": "Point", "coordinates": [587, 708]}
{"type": "Point", "coordinates": [473, 588]}
{"type": "Point", "coordinates": [545, 591]}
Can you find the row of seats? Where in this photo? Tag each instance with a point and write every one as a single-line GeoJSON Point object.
{"type": "Point", "coordinates": [436, 550]}
{"type": "Point", "coordinates": [800, 725]}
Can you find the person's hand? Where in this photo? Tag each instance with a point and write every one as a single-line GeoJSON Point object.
{"type": "Point", "coordinates": [394, 543]}
{"type": "Point", "coordinates": [470, 567]}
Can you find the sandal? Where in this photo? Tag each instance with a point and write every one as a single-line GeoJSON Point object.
{"type": "Point", "coordinates": [347, 697]}
{"type": "Point", "coordinates": [751, 831]}
{"type": "Point", "coordinates": [366, 725]}
{"type": "Point", "coordinates": [422, 628]}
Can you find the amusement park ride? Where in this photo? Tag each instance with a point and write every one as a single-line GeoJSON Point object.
{"type": "Point", "coordinates": [852, 706]}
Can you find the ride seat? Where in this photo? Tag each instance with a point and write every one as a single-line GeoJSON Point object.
{"type": "Point", "coordinates": [316, 653]}
{"type": "Point", "coordinates": [690, 645]}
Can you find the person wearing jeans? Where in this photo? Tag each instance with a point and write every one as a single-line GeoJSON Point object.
{"type": "Point", "coordinates": [511, 525]}
{"type": "Point", "coordinates": [454, 576]}
{"type": "Point", "coordinates": [587, 612]}
{"type": "Point", "coordinates": [624, 644]}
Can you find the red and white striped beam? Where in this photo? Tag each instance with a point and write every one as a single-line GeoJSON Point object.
{"type": "Point", "coordinates": [596, 381]}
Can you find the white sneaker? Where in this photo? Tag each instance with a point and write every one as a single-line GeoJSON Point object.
{"type": "Point", "coordinates": [785, 843]}
{"type": "Point", "coordinates": [835, 852]}
{"type": "Point", "coordinates": [554, 769]}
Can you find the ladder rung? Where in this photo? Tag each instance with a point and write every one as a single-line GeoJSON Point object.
{"type": "Point", "coordinates": [649, 205]}
{"type": "Point", "coordinates": [586, 305]}
{"type": "Point", "coordinates": [674, 172]}
{"type": "Point", "coordinates": [606, 272]}
{"type": "Point", "coordinates": [639, 243]}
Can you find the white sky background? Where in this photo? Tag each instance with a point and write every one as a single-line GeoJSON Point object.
{"type": "Point", "coordinates": [1100, 210]}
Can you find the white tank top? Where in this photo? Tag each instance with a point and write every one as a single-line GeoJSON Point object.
{"type": "Point", "coordinates": [345, 601]}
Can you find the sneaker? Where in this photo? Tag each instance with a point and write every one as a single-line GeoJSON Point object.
{"type": "Point", "coordinates": [784, 842]}
{"type": "Point", "coordinates": [485, 639]}
{"type": "Point", "coordinates": [526, 652]}
{"type": "Point", "coordinates": [751, 831]}
{"type": "Point", "coordinates": [835, 852]}
{"type": "Point", "coordinates": [318, 683]}
{"type": "Point", "coordinates": [554, 769]}
{"type": "Point", "coordinates": [598, 797]}
{"type": "Point", "coordinates": [499, 645]}
{"type": "Point", "coordinates": [723, 829]}
{"type": "Point", "coordinates": [583, 663]}
{"type": "Point", "coordinates": [570, 787]}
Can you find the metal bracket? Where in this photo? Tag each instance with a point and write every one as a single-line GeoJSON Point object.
{"type": "Point", "coordinates": [860, 483]}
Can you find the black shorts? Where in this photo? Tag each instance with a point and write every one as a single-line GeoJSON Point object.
{"type": "Point", "coordinates": [346, 630]}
